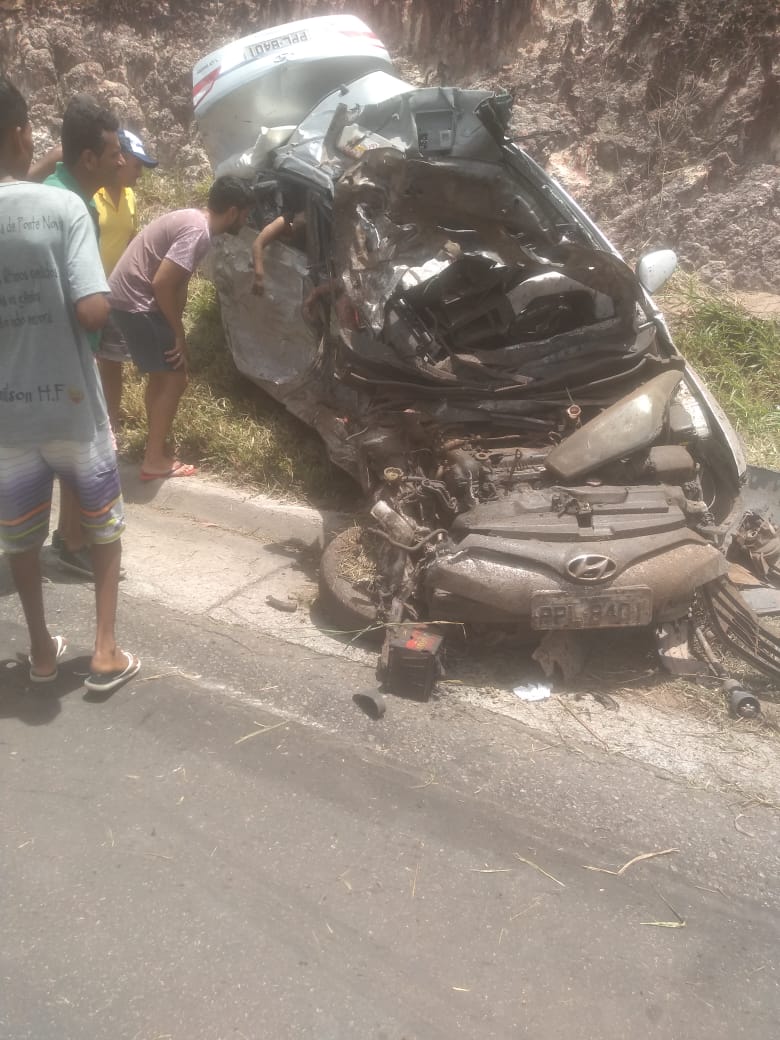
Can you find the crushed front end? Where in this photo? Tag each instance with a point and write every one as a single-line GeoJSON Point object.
{"type": "Point", "coordinates": [535, 449]}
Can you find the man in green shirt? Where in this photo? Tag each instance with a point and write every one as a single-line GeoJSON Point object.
{"type": "Point", "coordinates": [91, 154]}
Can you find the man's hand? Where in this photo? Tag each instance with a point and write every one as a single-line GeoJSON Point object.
{"type": "Point", "coordinates": [258, 285]}
{"type": "Point", "coordinates": [170, 291]}
{"type": "Point", "coordinates": [177, 355]}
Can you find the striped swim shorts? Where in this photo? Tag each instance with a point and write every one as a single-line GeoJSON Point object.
{"type": "Point", "coordinates": [27, 473]}
{"type": "Point", "coordinates": [112, 344]}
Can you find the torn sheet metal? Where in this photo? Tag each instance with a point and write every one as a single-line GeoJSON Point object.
{"type": "Point", "coordinates": [762, 493]}
{"type": "Point", "coordinates": [268, 337]}
{"type": "Point", "coordinates": [764, 601]}
{"type": "Point", "coordinates": [674, 649]}
{"type": "Point", "coordinates": [757, 543]}
{"type": "Point", "coordinates": [565, 651]}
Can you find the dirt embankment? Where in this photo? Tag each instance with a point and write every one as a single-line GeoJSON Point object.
{"type": "Point", "coordinates": [661, 116]}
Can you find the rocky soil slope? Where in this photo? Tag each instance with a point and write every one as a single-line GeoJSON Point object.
{"type": "Point", "coordinates": [661, 116]}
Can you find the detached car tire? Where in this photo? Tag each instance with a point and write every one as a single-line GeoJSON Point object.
{"type": "Point", "coordinates": [342, 603]}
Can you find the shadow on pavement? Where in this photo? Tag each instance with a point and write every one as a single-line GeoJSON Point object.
{"type": "Point", "coordinates": [37, 704]}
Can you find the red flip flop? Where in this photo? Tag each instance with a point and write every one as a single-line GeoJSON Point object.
{"type": "Point", "coordinates": [179, 469]}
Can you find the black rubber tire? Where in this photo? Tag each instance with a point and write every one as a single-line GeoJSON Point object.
{"type": "Point", "coordinates": [344, 605]}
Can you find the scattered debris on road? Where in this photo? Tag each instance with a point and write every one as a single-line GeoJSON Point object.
{"type": "Point", "coordinates": [636, 859]}
{"type": "Point", "coordinates": [287, 604]}
{"type": "Point", "coordinates": [532, 692]}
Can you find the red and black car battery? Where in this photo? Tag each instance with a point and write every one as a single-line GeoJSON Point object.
{"type": "Point", "coordinates": [411, 659]}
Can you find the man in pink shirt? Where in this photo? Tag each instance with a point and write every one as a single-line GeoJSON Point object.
{"type": "Point", "coordinates": [148, 294]}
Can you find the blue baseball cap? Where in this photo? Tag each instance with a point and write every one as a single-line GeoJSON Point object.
{"type": "Point", "coordinates": [133, 145]}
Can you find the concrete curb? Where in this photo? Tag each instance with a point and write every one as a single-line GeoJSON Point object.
{"type": "Point", "coordinates": [212, 501]}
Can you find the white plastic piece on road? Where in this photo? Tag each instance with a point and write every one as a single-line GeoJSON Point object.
{"type": "Point", "coordinates": [532, 692]}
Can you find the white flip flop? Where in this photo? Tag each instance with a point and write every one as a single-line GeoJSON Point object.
{"type": "Point", "coordinates": [61, 646]}
{"type": "Point", "coordinates": [107, 682]}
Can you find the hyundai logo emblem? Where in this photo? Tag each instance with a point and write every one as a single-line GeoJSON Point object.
{"type": "Point", "coordinates": [591, 567]}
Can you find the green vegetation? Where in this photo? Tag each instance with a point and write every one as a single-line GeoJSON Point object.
{"type": "Point", "coordinates": [234, 430]}
{"type": "Point", "coordinates": [738, 356]}
{"type": "Point", "coordinates": [159, 192]}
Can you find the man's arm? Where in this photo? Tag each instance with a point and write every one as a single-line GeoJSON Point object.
{"type": "Point", "coordinates": [170, 291]}
{"type": "Point", "coordinates": [92, 311]}
{"type": "Point", "coordinates": [269, 233]}
{"type": "Point", "coordinates": [41, 169]}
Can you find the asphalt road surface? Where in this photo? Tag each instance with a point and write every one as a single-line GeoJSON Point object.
{"type": "Point", "coordinates": [229, 848]}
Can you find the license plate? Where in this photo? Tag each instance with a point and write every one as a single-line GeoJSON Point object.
{"type": "Point", "coordinates": [279, 43]}
{"type": "Point", "coordinates": [618, 608]}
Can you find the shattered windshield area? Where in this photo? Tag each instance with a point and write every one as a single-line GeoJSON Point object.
{"type": "Point", "coordinates": [492, 304]}
{"type": "Point", "coordinates": [463, 273]}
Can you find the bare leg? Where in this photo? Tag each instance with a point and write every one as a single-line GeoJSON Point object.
{"type": "Point", "coordinates": [106, 560]}
{"type": "Point", "coordinates": [26, 571]}
{"type": "Point", "coordinates": [111, 378]}
{"type": "Point", "coordinates": [163, 393]}
{"type": "Point", "coordinates": [69, 524]}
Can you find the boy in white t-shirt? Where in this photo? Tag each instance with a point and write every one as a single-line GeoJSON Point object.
{"type": "Point", "coordinates": [53, 420]}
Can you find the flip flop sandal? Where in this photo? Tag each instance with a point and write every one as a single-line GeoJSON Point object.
{"type": "Point", "coordinates": [61, 646]}
{"type": "Point", "coordinates": [180, 469]}
{"type": "Point", "coordinates": [107, 682]}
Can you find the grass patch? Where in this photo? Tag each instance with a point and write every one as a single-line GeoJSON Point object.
{"type": "Point", "coordinates": [159, 192]}
{"type": "Point", "coordinates": [738, 356]}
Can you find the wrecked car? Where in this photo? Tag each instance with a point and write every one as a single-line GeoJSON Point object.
{"type": "Point", "coordinates": [535, 452]}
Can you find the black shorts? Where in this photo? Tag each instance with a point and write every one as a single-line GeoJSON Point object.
{"type": "Point", "coordinates": [148, 337]}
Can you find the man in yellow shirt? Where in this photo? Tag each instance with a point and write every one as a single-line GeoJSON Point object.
{"type": "Point", "coordinates": [118, 219]}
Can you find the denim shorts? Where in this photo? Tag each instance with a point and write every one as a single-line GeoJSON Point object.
{"type": "Point", "coordinates": [27, 473]}
{"type": "Point", "coordinates": [148, 336]}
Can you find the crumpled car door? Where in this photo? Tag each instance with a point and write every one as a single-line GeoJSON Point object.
{"type": "Point", "coordinates": [268, 337]}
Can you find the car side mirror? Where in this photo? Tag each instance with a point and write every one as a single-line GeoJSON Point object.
{"type": "Point", "coordinates": [654, 269]}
